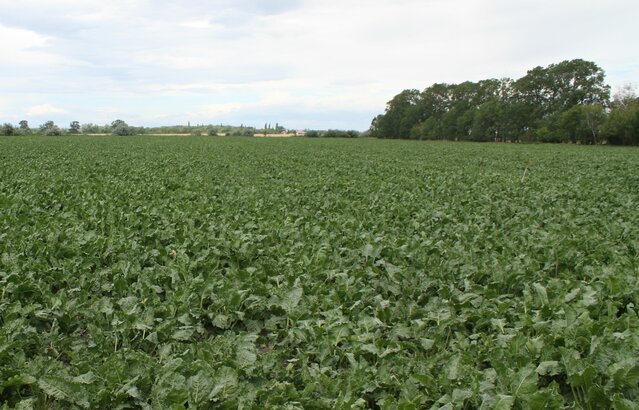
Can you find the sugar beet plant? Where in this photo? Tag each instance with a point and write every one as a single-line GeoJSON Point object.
{"type": "Point", "coordinates": [204, 272]}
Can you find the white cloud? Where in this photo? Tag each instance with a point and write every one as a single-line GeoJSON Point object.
{"type": "Point", "coordinates": [20, 46]}
{"type": "Point", "coordinates": [44, 109]}
{"type": "Point", "coordinates": [216, 110]}
{"type": "Point", "coordinates": [108, 110]}
{"type": "Point", "coordinates": [201, 24]}
{"type": "Point", "coordinates": [26, 48]}
{"type": "Point", "coordinates": [17, 39]}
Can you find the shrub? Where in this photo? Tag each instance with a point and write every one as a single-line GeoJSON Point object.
{"type": "Point", "coordinates": [50, 129]}
{"type": "Point", "coordinates": [7, 129]}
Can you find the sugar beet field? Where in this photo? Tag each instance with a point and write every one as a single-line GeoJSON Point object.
{"type": "Point", "coordinates": [202, 272]}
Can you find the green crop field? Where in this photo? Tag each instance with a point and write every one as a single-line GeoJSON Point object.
{"type": "Point", "coordinates": [200, 272]}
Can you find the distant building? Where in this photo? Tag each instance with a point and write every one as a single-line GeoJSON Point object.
{"type": "Point", "coordinates": [300, 133]}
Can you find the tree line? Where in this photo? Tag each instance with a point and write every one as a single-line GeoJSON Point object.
{"type": "Point", "coordinates": [332, 133]}
{"type": "Point", "coordinates": [120, 127]}
{"type": "Point", "coordinates": [564, 102]}
{"type": "Point", "coordinates": [49, 128]}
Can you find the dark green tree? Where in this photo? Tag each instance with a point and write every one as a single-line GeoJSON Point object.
{"type": "Point", "coordinates": [119, 127]}
{"type": "Point", "coordinates": [581, 123]}
{"type": "Point", "coordinates": [50, 129]}
{"type": "Point", "coordinates": [91, 128]}
{"type": "Point", "coordinates": [538, 106]}
{"type": "Point", "coordinates": [547, 92]}
{"type": "Point", "coordinates": [621, 126]}
{"type": "Point", "coordinates": [7, 129]}
{"type": "Point", "coordinates": [433, 103]}
{"type": "Point", "coordinates": [24, 126]}
{"type": "Point", "coordinates": [400, 116]}
{"type": "Point", "coordinates": [488, 122]}
{"type": "Point", "coordinates": [74, 127]}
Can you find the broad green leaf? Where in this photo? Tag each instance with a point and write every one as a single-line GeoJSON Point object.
{"type": "Point", "coordinates": [524, 382]}
{"type": "Point", "coordinates": [453, 368]}
{"type": "Point", "coordinates": [292, 298]}
{"type": "Point", "coordinates": [53, 388]}
{"type": "Point", "coordinates": [571, 295]}
{"type": "Point", "coordinates": [128, 303]}
{"type": "Point", "coordinates": [460, 395]}
{"type": "Point", "coordinates": [427, 344]}
{"type": "Point", "coordinates": [245, 357]}
{"type": "Point", "coordinates": [541, 292]}
{"type": "Point", "coordinates": [503, 402]}
{"type": "Point", "coordinates": [19, 380]}
{"type": "Point", "coordinates": [200, 387]}
{"type": "Point", "coordinates": [225, 378]}
{"type": "Point", "coordinates": [86, 378]}
{"type": "Point", "coordinates": [183, 334]}
{"type": "Point", "coordinates": [26, 404]}
{"type": "Point", "coordinates": [549, 368]}
{"type": "Point", "coordinates": [221, 321]}
{"type": "Point", "coordinates": [621, 403]}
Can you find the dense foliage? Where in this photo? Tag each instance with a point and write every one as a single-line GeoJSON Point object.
{"type": "Point", "coordinates": [121, 128]}
{"type": "Point", "coordinates": [50, 129]}
{"type": "Point", "coordinates": [332, 134]}
{"type": "Point", "coordinates": [240, 131]}
{"type": "Point", "coordinates": [303, 273]}
{"type": "Point", "coordinates": [565, 102]}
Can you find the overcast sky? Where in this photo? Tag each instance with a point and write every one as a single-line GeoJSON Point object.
{"type": "Point", "coordinates": [301, 63]}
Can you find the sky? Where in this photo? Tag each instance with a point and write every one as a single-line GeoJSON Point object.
{"type": "Point", "coordinates": [305, 64]}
